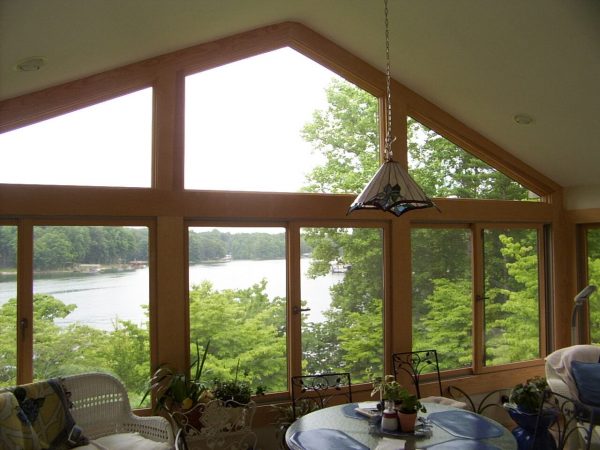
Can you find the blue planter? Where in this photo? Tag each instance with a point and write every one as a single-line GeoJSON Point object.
{"type": "Point", "coordinates": [525, 432]}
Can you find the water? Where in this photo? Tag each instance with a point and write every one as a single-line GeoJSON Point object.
{"type": "Point", "coordinates": [103, 297]}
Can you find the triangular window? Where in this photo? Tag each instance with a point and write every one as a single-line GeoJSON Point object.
{"type": "Point", "coordinates": [445, 170]}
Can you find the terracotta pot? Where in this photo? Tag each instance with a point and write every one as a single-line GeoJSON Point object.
{"type": "Point", "coordinates": [407, 421]}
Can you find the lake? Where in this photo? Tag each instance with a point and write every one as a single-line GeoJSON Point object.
{"type": "Point", "coordinates": [103, 297]}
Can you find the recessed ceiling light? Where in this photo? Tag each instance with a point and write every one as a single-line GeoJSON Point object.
{"type": "Point", "coordinates": [31, 64]}
{"type": "Point", "coordinates": [523, 119]}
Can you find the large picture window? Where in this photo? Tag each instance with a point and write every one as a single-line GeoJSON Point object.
{"type": "Point", "coordinates": [442, 280]}
{"type": "Point", "coordinates": [511, 295]}
{"type": "Point", "coordinates": [90, 303]}
{"type": "Point", "coordinates": [342, 290]}
{"type": "Point", "coordinates": [237, 301]}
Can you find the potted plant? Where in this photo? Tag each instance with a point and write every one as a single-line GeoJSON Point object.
{"type": "Point", "coordinates": [388, 388]}
{"type": "Point", "coordinates": [176, 391]}
{"type": "Point", "coordinates": [524, 405]}
{"type": "Point", "coordinates": [235, 392]}
{"type": "Point", "coordinates": [407, 411]}
{"type": "Point", "coordinates": [528, 396]}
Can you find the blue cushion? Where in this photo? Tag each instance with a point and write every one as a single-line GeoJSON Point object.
{"type": "Point", "coordinates": [587, 379]}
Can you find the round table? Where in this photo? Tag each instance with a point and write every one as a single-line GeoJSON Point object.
{"type": "Point", "coordinates": [340, 420]}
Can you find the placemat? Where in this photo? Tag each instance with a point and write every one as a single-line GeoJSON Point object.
{"type": "Point", "coordinates": [349, 410]}
{"type": "Point", "coordinates": [466, 424]}
{"type": "Point", "coordinates": [324, 438]}
{"type": "Point", "coordinates": [463, 444]}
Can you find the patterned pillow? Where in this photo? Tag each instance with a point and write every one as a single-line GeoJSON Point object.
{"type": "Point", "coordinates": [15, 429]}
{"type": "Point", "coordinates": [46, 406]}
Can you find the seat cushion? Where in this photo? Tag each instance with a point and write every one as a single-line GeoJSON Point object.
{"type": "Point", "coordinates": [125, 441]}
{"type": "Point", "coordinates": [587, 380]}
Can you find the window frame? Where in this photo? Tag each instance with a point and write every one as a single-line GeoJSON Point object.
{"type": "Point", "coordinates": [168, 206]}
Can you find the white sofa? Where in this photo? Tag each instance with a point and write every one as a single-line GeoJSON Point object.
{"type": "Point", "coordinates": [99, 406]}
{"type": "Point", "coordinates": [558, 367]}
{"type": "Point", "coordinates": [561, 381]}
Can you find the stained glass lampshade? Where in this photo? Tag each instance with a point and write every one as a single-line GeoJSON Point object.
{"type": "Point", "coordinates": [393, 190]}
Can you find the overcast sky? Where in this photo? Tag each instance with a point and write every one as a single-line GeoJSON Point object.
{"type": "Point", "coordinates": [243, 123]}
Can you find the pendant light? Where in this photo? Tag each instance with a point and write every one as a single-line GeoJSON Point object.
{"type": "Point", "coordinates": [391, 189]}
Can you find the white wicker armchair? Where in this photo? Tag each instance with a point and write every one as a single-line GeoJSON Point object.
{"type": "Point", "coordinates": [101, 408]}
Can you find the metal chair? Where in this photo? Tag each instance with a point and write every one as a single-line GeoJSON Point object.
{"type": "Point", "coordinates": [310, 392]}
{"type": "Point", "coordinates": [567, 421]}
{"type": "Point", "coordinates": [417, 363]}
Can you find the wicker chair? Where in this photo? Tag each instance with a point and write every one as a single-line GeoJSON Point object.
{"type": "Point", "coordinates": [100, 409]}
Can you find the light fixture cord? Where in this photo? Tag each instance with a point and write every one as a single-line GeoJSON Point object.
{"type": "Point", "coordinates": [388, 127]}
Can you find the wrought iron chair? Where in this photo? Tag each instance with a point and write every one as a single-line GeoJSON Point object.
{"type": "Point", "coordinates": [491, 400]}
{"type": "Point", "coordinates": [417, 363]}
{"type": "Point", "coordinates": [320, 390]}
{"type": "Point", "coordinates": [567, 421]}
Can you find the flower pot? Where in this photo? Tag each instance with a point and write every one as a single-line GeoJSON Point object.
{"type": "Point", "coordinates": [407, 421]}
{"type": "Point", "coordinates": [526, 434]}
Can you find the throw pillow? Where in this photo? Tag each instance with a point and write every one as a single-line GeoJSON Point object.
{"type": "Point", "coordinates": [587, 380]}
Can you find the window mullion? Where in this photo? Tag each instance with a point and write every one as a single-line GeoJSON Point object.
{"type": "Point", "coordinates": [478, 298]}
{"type": "Point", "coordinates": [25, 302]}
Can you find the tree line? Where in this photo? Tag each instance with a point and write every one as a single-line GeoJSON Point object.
{"type": "Point", "coordinates": [63, 247]}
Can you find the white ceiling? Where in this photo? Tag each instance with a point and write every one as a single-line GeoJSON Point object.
{"type": "Point", "coordinates": [481, 60]}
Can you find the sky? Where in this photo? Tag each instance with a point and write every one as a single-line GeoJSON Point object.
{"type": "Point", "coordinates": [242, 132]}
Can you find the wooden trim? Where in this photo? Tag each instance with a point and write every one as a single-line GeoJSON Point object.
{"type": "Point", "coordinates": [25, 302]}
{"type": "Point", "coordinates": [294, 320]}
{"type": "Point", "coordinates": [478, 315]}
{"type": "Point", "coordinates": [583, 215]}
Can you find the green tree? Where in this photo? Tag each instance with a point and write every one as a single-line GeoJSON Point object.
{"type": "Point", "coordinates": [346, 135]}
{"type": "Point", "coordinates": [242, 325]}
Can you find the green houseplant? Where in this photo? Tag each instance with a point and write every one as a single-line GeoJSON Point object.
{"type": "Point", "coordinates": [388, 388]}
{"type": "Point", "coordinates": [176, 390]}
{"type": "Point", "coordinates": [528, 396]}
{"type": "Point", "coordinates": [407, 411]}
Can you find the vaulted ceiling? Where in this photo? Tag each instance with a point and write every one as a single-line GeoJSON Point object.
{"type": "Point", "coordinates": [483, 61]}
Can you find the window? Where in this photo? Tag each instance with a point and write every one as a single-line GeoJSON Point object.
{"type": "Point", "coordinates": [237, 301]}
{"type": "Point", "coordinates": [442, 294]}
{"type": "Point", "coordinates": [592, 243]}
{"type": "Point", "coordinates": [107, 144]}
{"type": "Point", "coordinates": [342, 288]}
{"type": "Point", "coordinates": [443, 169]}
{"type": "Point", "coordinates": [511, 295]}
{"type": "Point", "coordinates": [8, 305]}
{"type": "Point", "coordinates": [444, 283]}
{"type": "Point", "coordinates": [250, 125]}
{"type": "Point", "coordinates": [90, 303]}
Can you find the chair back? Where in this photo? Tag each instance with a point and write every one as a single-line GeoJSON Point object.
{"type": "Point", "coordinates": [567, 421]}
{"type": "Point", "coordinates": [415, 364]}
{"type": "Point", "coordinates": [311, 392]}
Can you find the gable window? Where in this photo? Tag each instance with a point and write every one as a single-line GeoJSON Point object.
{"type": "Point", "coordinates": [106, 144]}
{"type": "Point", "coordinates": [444, 169]}
{"type": "Point", "coordinates": [248, 124]}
